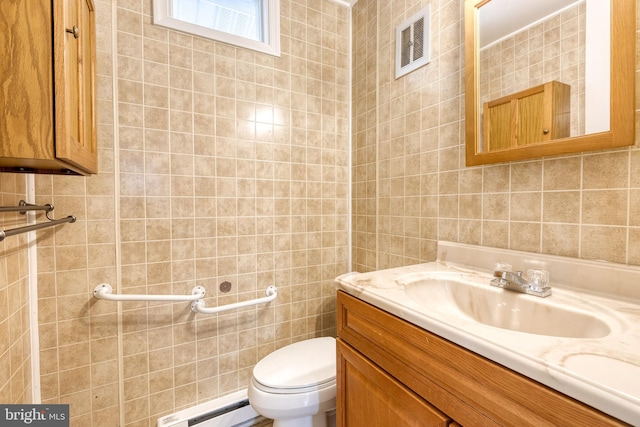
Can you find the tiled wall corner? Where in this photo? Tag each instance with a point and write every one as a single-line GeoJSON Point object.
{"type": "Point", "coordinates": [15, 329]}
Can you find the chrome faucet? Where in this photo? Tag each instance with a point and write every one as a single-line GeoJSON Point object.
{"type": "Point", "coordinates": [536, 283]}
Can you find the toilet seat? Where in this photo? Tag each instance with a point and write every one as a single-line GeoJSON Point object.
{"type": "Point", "coordinates": [299, 390]}
{"type": "Point", "coordinates": [298, 368]}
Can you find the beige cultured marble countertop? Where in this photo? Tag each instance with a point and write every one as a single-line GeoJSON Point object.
{"type": "Point", "coordinates": [603, 372]}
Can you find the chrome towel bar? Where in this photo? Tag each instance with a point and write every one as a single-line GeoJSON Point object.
{"type": "Point", "coordinates": [34, 227]}
{"type": "Point", "coordinates": [23, 207]}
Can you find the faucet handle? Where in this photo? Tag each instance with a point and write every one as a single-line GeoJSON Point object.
{"type": "Point", "coordinates": [539, 279]}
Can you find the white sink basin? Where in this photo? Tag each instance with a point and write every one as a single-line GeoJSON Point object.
{"type": "Point", "coordinates": [471, 297]}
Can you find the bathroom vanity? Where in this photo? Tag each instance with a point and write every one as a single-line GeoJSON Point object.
{"type": "Point", "coordinates": [415, 348]}
{"type": "Point", "coordinates": [389, 369]}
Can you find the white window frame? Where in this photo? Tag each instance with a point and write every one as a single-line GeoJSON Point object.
{"type": "Point", "coordinates": [163, 16]}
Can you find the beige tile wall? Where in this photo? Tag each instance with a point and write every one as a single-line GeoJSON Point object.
{"type": "Point", "coordinates": [411, 187]}
{"type": "Point", "coordinates": [15, 329]}
{"type": "Point", "coordinates": [217, 164]}
{"type": "Point", "coordinates": [186, 156]}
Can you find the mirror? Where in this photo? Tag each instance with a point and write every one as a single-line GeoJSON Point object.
{"type": "Point", "coordinates": [517, 108]}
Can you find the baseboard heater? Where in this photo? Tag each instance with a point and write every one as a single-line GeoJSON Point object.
{"type": "Point", "coordinates": [232, 410]}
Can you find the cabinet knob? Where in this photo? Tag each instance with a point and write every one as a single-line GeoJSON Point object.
{"type": "Point", "coordinates": [545, 131]}
{"type": "Point", "coordinates": [75, 31]}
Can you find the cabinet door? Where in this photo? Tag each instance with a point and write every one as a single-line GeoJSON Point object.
{"type": "Point", "coordinates": [369, 397]}
{"type": "Point", "coordinates": [498, 135]}
{"type": "Point", "coordinates": [74, 74]}
{"type": "Point", "coordinates": [531, 119]}
{"type": "Point", "coordinates": [26, 89]}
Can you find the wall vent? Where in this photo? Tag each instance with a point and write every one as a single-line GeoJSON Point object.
{"type": "Point", "coordinates": [412, 42]}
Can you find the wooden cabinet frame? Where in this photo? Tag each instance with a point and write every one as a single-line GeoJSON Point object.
{"type": "Point", "coordinates": [622, 98]}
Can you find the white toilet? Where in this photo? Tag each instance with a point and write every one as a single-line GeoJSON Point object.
{"type": "Point", "coordinates": [295, 386]}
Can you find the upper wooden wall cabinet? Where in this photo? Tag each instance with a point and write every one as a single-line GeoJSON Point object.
{"type": "Point", "coordinates": [47, 89]}
{"type": "Point", "coordinates": [534, 115]}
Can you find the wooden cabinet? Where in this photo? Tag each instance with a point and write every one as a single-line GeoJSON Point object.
{"type": "Point", "coordinates": [374, 398]}
{"type": "Point", "coordinates": [47, 94]}
{"type": "Point", "coordinates": [535, 115]}
{"type": "Point", "coordinates": [386, 361]}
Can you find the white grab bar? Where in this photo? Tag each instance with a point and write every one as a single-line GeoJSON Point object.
{"type": "Point", "coordinates": [105, 291]}
{"type": "Point", "coordinates": [199, 306]}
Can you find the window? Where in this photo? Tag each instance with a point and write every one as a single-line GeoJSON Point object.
{"type": "Point", "coordinates": [253, 24]}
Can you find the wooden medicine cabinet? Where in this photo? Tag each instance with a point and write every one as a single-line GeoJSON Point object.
{"type": "Point", "coordinates": [611, 51]}
{"type": "Point", "coordinates": [47, 103]}
{"type": "Point", "coordinates": [535, 115]}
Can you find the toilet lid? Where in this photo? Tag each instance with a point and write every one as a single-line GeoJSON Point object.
{"type": "Point", "coordinates": [302, 364]}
